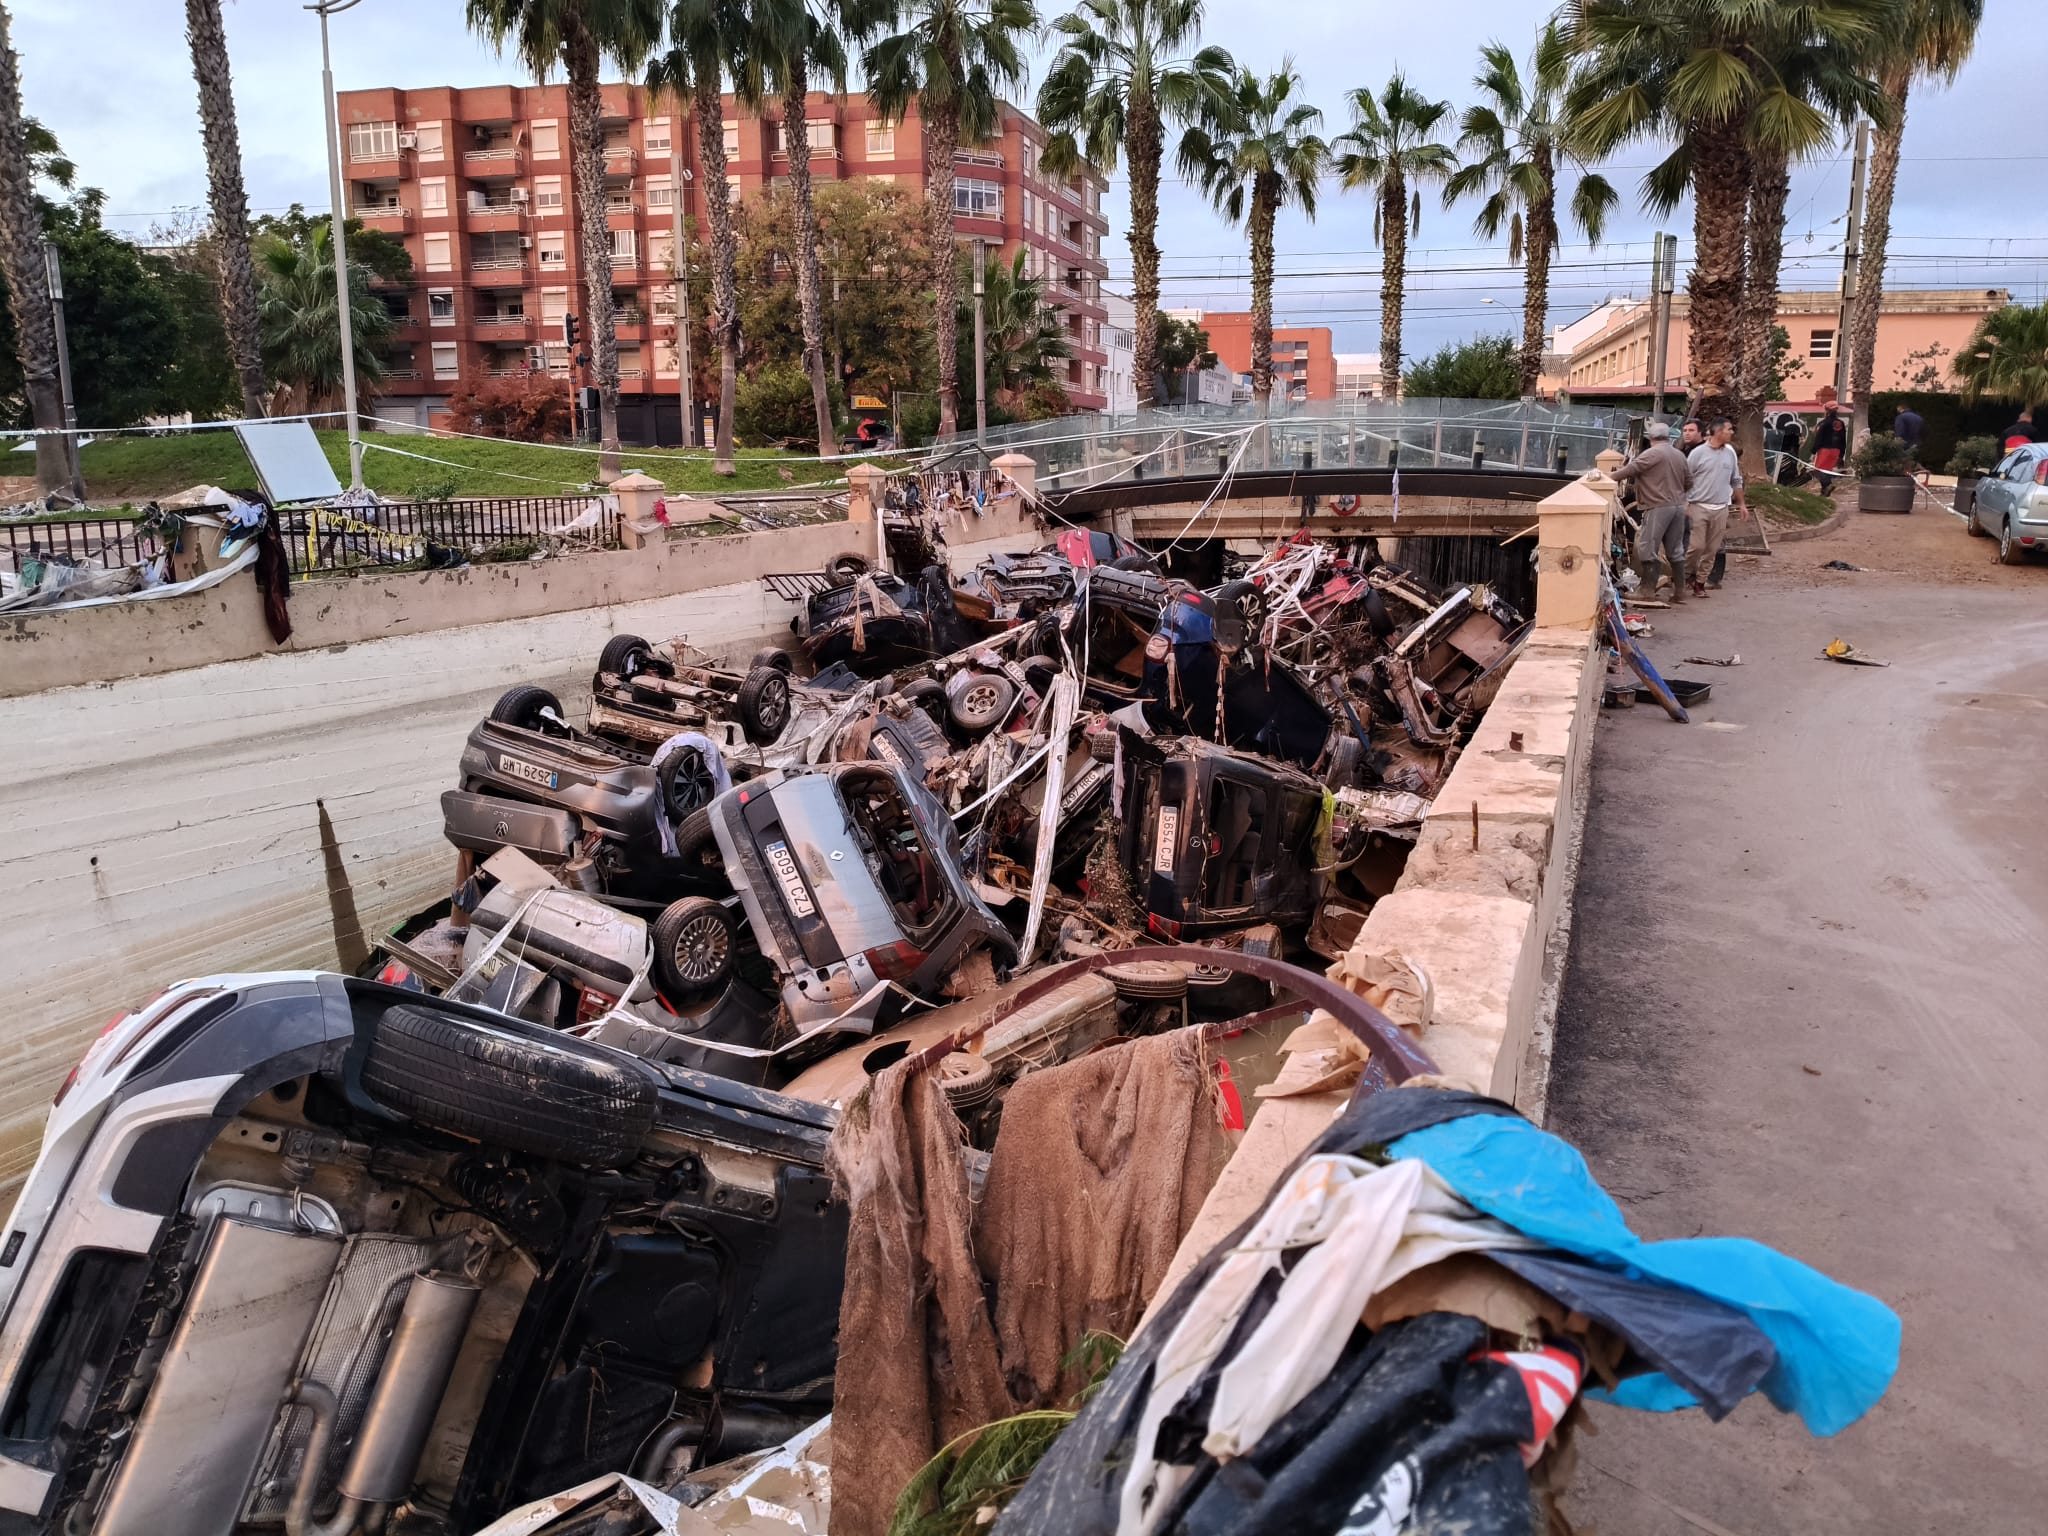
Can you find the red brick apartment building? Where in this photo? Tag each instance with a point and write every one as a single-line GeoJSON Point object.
{"type": "Point", "coordinates": [1304, 361]}
{"type": "Point", "coordinates": [478, 184]}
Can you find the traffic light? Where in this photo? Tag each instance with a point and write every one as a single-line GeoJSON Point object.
{"type": "Point", "coordinates": [568, 330]}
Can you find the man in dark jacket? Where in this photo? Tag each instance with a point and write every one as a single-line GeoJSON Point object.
{"type": "Point", "coordinates": [1830, 442]}
{"type": "Point", "coordinates": [1907, 427]}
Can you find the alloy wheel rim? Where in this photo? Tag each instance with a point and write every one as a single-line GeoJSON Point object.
{"type": "Point", "coordinates": [701, 948]}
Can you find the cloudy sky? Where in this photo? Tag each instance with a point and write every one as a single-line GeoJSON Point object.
{"type": "Point", "coordinates": [111, 77]}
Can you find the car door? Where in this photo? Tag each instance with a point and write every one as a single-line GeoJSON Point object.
{"type": "Point", "coordinates": [2013, 486]}
{"type": "Point", "coordinates": [1991, 501]}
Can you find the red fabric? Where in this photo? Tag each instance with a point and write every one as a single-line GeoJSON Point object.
{"type": "Point", "coordinates": [1551, 1377]}
{"type": "Point", "coordinates": [1827, 458]}
{"type": "Point", "coordinates": [2016, 442]}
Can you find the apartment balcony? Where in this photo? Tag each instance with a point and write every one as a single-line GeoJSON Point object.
{"type": "Point", "coordinates": [395, 374]}
{"type": "Point", "coordinates": [978, 157]}
{"type": "Point", "coordinates": [620, 207]}
{"type": "Point", "coordinates": [501, 322]}
{"type": "Point", "coordinates": [499, 160]}
{"type": "Point", "coordinates": [626, 261]}
{"type": "Point", "coordinates": [620, 161]}
{"type": "Point", "coordinates": [632, 373]}
{"type": "Point", "coordinates": [494, 215]}
{"type": "Point", "coordinates": [622, 318]}
{"type": "Point", "coordinates": [382, 215]}
{"type": "Point", "coordinates": [515, 262]}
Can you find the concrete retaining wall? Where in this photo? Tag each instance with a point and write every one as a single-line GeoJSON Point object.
{"type": "Point", "coordinates": [268, 808]}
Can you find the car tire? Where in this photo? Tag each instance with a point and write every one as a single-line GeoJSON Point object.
{"type": "Point", "coordinates": [694, 943]}
{"type": "Point", "coordinates": [844, 569]}
{"type": "Point", "coordinates": [697, 846]}
{"type": "Point", "coordinates": [687, 783]}
{"type": "Point", "coordinates": [980, 702]}
{"type": "Point", "coordinates": [1342, 773]}
{"type": "Point", "coordinates": [628, 655]}
{"type": "Point", "coordinates": [1976, 529]}
{"type": "Point", "coordinates": [2010, 550]}
{"type": "Point", "coordinates": [773, 656]}
{"type": "Point", "coordinates": [508, 1084]}
{"type": "Point", "coordinates": [927, 694]}
{"type": "Point", "coordinates": [1039, 672]}
{"type": "Point", "coordinates": [763, 705]}
{"type": "Point", "coordinates": [528, 707]}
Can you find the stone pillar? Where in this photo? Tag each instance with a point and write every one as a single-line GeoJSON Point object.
{"type": "Point", "coordinates": [1571, 548]}
{"type": "Point", "coordinates": [638, 525]}
{"type": "Point", "coordinates": [1021, 468]}
{"type": "Point", "coordinates": [865, 484]}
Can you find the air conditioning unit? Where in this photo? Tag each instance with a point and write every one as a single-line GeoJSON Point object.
{"type": "Point", "coordinates": [519, 194]}
{"type": "Point", "coordinates": [537, 356]}
{"type": "Point", "coordinates": [526, 242]}
{"type": "Point", "coordinates": [408, 141]}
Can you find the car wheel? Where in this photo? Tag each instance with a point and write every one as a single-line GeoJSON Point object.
{"type": "Point", "coordinates": [847, 568]}
{"type": "Point", "coordinates": [687, 783]}
{"type": "Point", "coordinates": [694, 941]}
{"type": "Point", "coordinates": [2010, 550]}
{"type": "Point", "coordinates": [983, 700]}
{"type": "Point", "coordinates": [1342, 773]}
{"type": "Point", "coordinates": [966, 1080]}
{"type": "Point", "coordinates": [764, 704]}
{"type": "Point", "coordinates": [531, 709]}
{"type": "Point", "coordinates": [773, 656]}
{"type": "Point", "coordinates": [697, 846]}
{"type": "Point", "coordinates": [1039, 672]}
{"type": "Point", "coordinates": [1970, 522]}
{"type": "Point", "coordinates": [508, 1084]}
{"type": "Point", "coordinates": [627, 656]}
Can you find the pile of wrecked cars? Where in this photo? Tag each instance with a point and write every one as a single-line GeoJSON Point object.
{"type": "Point", "coordinates": [541, 1196]}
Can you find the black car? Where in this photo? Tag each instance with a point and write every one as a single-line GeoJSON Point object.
{"type": "Point", "coordinates": [878, 622]}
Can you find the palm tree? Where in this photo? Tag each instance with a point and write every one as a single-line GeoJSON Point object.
{"type": "Point", "coordinates": [1389, 149]}
{"type": "Point", "coordinates": [1745, 89]}
{"type": "Point", "coordinates": [1123, 72]}
{"type": "Point", "coordinates": [1262, 155]}
{"type": "Point", "coordinates": [1937, 38]}
{"type": "Point", "coordinates": [300, 318]}
{"type": "Point", "coordinates": [1023, 335]}
{"type": "Point", "coordinates": [1515, 147]}
{"type": "Point", "coordinates": [799, 37]}
{"type": "Point", "coordinates": [955, 58]}
{"type": "Point", "coordinates": [228, 201]}
{"type": "Point", "coordinates": [28, 286]}
{"type": "Point", "coordinates": [2007, 356]}
{"type": "Point", "coordinates": [705, 37]}
{"type": "Point", "coordinates": [581, 35]}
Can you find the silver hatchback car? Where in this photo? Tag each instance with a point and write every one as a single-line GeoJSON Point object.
{"type": "Point", "coordinates": [2012, 504]}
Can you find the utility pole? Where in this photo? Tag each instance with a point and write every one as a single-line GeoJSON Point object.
{"type": "Point", "coordinates": [337, 217]}
{"type": "Point", "coordinates": [680, 262]}
{"type": "Point", "coordinates": [980, 350]}
{"type": "Point", "coordinates": [1852, 274]}
{"type": "Point", "coordinates": [56, 275]}
{"type": "Point", "coordinates": [1664, 283]}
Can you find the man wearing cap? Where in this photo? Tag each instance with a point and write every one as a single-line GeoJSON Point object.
{"type": "Point", "coordinates": [1659, 472]}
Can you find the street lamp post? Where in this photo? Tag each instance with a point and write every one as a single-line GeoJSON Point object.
{"type": "Point", "coordinates": [679, 259]}
{"type": "Point", "coordinates": [339, 239]}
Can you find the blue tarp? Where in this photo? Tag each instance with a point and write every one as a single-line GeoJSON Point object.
{"type": "Point", "coordinates": [1837, 1348]}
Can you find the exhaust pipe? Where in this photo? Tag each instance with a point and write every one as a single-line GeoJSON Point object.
{"type": "Point", "coordinates": [429, 1335]}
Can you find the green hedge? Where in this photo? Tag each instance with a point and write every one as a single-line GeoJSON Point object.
{"type": "Point", "coordinates": [1948, 418]}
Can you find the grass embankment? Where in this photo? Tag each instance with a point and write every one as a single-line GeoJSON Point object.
{"type": "Point", "coordinates": [1788, 504]}
{"type": "Point", "coordinates": [137, 469]}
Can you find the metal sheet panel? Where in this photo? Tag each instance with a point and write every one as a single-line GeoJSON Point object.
{"type": "Point", "coordinates": [215, 1399]}
{"type": "Point", "coordinates": [290, 465]}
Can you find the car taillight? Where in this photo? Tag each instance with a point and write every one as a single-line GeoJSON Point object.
{"type": "Point", "coordinates": [2041, 472]}
{"type": "Point", "coordinates": [893, 962]}
{"type": "Point", "coordinates": [1166, 927]}
{"type": "Point", "coordinates": [91, 1056]}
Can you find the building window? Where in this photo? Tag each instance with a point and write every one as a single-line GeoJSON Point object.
{"type": "Point", "coordinates": [732, 138]}
{"type": "Point", "coordinates": [629, 363]}
{"type": "Point", "coordinates": [554, 304]}
{"type": "Point", "coordinates": [658, 192]}
{"type": "Point", "coordinates": [661, 250]}
{"type": "Point", "coordinates": [881, 141]}
{"type": "Point", "coordinates": [625, 247]}
{"type": "Point", "coordinates": [547, 193]}
{"type": "Point", "coordinates": [665, 359]}
{"type": "Point", "coordinates": [555, 357]}
{"type": "Point", "coordinates": [547, 139]}
{"type": "Point", "coordinates": [430, 141]}
{"type": "Point", "coordinates": [553, 249]}
{"type": "Point", "coordinates": [1030, 158]}
{"type": "Point", "coordinates": [978, 199]}
{"type": "Point", "coordinates": [732, 189]}
{"type": "Point", "coordinates": [445, 365]}
{"type": "Point", "coordinates": [438, 259]}
{"type": "Point", "coordinates": [1027, 210]}
{"type": "Point", "coordinates": [1821, 344]}
{"type": "Point", "coordinates": [434, 195]}
{"type": "Point", "coordinates": [821, 133]}
{"type": "Point", "coordinates": [373, 141]}
{"type": "Point", "coordinates": [658, 141]}
{"type": "Point", "coordinates": [441, 306]}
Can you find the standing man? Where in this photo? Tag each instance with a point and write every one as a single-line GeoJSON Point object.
{"type": "Point", "coordinates": [1790, 471]}
{"type": "Point", "coordinates": [1713, 481]}
{"type": "Point", "coordinates": [1660, 474]}
{"type": "Point", "coordinates": [2021, 432]}
{"type": "Point", "coordinates": [1907, 427]}
{"type": "Point", "coordinates": [1830, 442]}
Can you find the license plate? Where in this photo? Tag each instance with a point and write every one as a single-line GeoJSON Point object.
{"type": "Point", "coordinates": [1169, 836]}
{"type": "Point", "coordinates": [792, 883]}
{"type": "Point", "coordinates": [533, 773]}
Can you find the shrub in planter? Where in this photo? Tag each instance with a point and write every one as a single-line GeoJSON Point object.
{"type": "Point", "coordinates": [1972, 461]}
{"type": "Point", "coordinates": [1883, 467]}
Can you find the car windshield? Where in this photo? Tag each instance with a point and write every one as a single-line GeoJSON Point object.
{"type": "Point", "coordinates": [1236, 826]}
{"type": "Point", "coordinates": [896, 849]}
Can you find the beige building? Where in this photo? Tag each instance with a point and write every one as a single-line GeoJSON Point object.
{"type": "Point", "coordinates": [1918, 334]}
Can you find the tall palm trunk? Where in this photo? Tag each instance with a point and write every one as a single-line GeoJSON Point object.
{"type": "Point", "coordinates": [1259, 226]}
{"type": "Point", "coordinates": [941, 156]}
{"type": "Point", "coordinates": [228, 202]}
{"type": "Point", "coordinates": [1393, 276]}
{"type": "Point", "coordinates": [1770, 185]}
{"type": "Point", "coordinates": [586, 164]}
{"type": "Point", "coordinates": [1144, 148]}
{"type": "Point", "coordinates": [1539, 234]}
{"type": "Point", "coordinates": [709, 106]}
{"type": "Point", "coordinates": [1720, 184]}
{"type": "Point", "coordinates": [796, 140]}
{"type": "Point", "coordinates": [1877, 236]}
{"type": "Point", "coordinates": [28, 284]}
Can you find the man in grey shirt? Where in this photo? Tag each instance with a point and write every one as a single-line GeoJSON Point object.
{"type": "Point", "coordinates": [1659, 472]}
{"type": "Point", "coordinates": [1713, 481]}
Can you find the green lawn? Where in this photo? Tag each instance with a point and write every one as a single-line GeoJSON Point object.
{"type": "Point", "coordinates": [136, 469]}
{"type": "Point", "coordinates": [1789, 504]}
